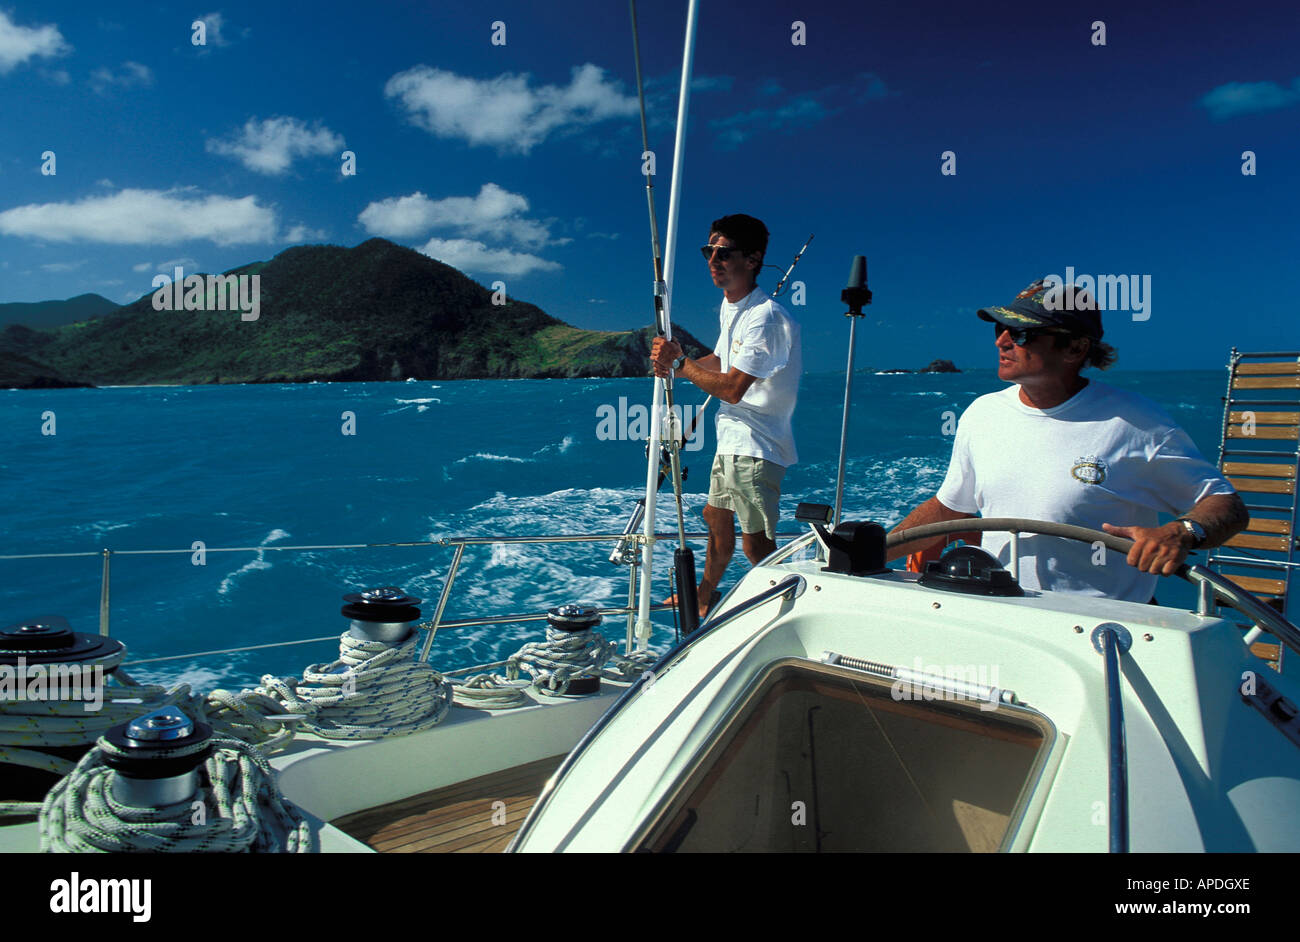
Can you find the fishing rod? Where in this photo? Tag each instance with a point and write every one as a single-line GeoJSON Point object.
{"type": "Point", "coordinates": [798, 255]}
{"type": "Point", "coordinates": [683, 556]}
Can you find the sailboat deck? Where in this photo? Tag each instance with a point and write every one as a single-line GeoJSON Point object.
{"type": "Point", "coordinates": [460, 818]}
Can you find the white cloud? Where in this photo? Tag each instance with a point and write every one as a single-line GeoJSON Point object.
{"type": "Point", "coordinates": [270, 146]}
{"type": "Point", "coordinates": [172, 264]}
{"type": "Point", "coordinates": [213, 22]}
{"type": "Point", "coordinates": [494, 213]}
{"type": "Point", "coordinates": [20, 43]}
{"type": "Point", "coordinates": [132, 74]}
{"type": "Point", "coordinates": [302, 233]}
{"type": "Point", "coordinates": [1236, 98]}
{"type": "Point", "coordinates": [506, 111]}
{"type": "Point", "coordinates": [470, 255]}
{"type": "Point", "coordinates": [54, 267]}
{"type": "Point", "coordinates": [143, 266]}
{"type": "Point", "coordinates": [144, 217]}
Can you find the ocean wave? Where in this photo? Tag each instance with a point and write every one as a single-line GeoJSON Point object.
{"type": "Point", "coordinates": [253, 565]}
{"type": "Point", "coordinates": [417, 401]}
{"type": "Point", "coordinates": [484, 456]}
{"type": "Point", "coordinates": [558, 447]}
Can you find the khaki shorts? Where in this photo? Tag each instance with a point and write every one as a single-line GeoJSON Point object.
{"type": "Point", "coordinates": [750, 488]}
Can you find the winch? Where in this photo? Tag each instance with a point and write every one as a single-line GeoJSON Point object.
{"type": "Point", "coordinates": [385, 614]}
{"type": "Point", "coordinates": [573, 618]}
{"type": "Point", "coordinates": [156, 758]}
{"type": "Point", "coordinates": [43, 661]}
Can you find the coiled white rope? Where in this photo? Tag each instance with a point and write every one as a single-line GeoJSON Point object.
{"type": "Point", "coordinates": [374, 689]}
{"type": "Point", "coordinates": [27, 726]}
{"type": "Point", "coordinates": [631, 666]}
{"type": "Point", "coordinates": [237, 808]}
{"type": "Point", "coordinates": [490, 692]}
{"type": "Point", "coordinates": [565, 656]}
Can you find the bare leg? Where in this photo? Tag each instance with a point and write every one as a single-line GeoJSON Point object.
{"type": "Point", "coordinates": [722, 546]}
{"type": "Point", "coordinates": [757, 546]}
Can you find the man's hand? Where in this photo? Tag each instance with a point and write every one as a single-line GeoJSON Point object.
{"type": "Point", "coordinates": [1159, 550]}
{"type": "Point", "coordinates": [662, 354]}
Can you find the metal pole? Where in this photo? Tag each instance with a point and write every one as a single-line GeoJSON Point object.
{"type": "Point", "coordinates": [1110, 643]}
{"type": "Point", "coordinates": [844, 427]}
{"type": "Point", "coordinates": [631, 611]}
{"type": "Point", "coordinates": [442, 601]}
{"type": "Point", "coordinates": [643, 627]}
{"type": "Point", "coordinates": [103, 596]}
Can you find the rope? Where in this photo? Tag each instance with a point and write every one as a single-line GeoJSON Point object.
{"type": "Point", "coordinates": [490, 692]}
{"type": "Point", "coordinates": [28, 726]}
{"type": "Point", "coordinates": [237, 808]}
{"type": "Point", "coordinates": [374, 689]}
{"type": "Point", "coordinates": [631, 666]}
{"type": "Point", "coordinates": [565, 656]}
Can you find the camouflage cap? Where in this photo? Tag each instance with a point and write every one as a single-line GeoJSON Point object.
{"type": "Point", "coordinates": [1050, 304]}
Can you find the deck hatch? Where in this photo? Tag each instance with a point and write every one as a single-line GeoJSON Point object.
{"type": "Point", "coordinates": [819, 758]}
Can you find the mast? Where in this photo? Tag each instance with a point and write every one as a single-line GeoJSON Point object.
{"type": "Point", "coordinates": [643, 626]}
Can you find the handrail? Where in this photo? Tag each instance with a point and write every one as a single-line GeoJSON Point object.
{"type": "Point", "coordinates": [442, 542]}
{"type": "Point", "coordinates": [433, 626]}
{"type": "Point", "coordinates": [1111, 640]}
{"type": "Point", "coordinates": [790, 584]}
{"type": "Point", "coordinates": [1246, 603]}
{"type": "Point", "coordinates": [456, 623]}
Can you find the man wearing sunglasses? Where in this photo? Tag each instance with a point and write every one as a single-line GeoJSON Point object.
{"type": "Point", "coordinates": [754, 372]}
{"type": "Point", "coordinates": [1057, 446]}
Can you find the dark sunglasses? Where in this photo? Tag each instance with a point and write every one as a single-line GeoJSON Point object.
{"type": "Point", "coordinates": [724, 252]}
{"type": "Point", "coordinates": [1021, 336]}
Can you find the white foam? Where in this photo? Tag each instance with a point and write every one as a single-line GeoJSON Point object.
{"type": "Point", "coordinates": [252, 565]}
{"type": "Point", "coordinates": [484, 456]}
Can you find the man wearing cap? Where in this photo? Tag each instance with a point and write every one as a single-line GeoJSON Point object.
{"type": "Point", "coordinates": [1057, 446]}
{"type": "Point", "coordinates": [754, 371]}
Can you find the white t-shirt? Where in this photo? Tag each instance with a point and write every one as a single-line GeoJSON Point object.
{"type": "Point", "coordinates": [759, 337]}
{"type": "Point", "coordinates": [1102, 456]}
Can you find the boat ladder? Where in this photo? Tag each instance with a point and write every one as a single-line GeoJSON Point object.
{"type": "Point", "coordinates": [1258, 455]}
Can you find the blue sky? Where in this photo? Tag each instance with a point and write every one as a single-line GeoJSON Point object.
{"type": "Point", "coordinates": [521, 162]}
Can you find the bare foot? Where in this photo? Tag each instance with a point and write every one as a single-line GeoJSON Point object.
{"type": "Point", "coordinates": [705, 606]}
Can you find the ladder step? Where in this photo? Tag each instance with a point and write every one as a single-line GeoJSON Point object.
{"type": "Point", "coordinates": [1266, 652]}
{"type": "Point", "coordinates": [1259, 470]}
{"type": "Point", "coordinates": [1267, 418]}
{"type": "Point", "coordinates": [1264, 431]}
{"type": "Point", "coordinates": [1264, 588]}
{"type": "Point", "coordinates": [1285, 353]}
{"type": "Point", "coordinates": [1278, 544]}
{"type": "Point", "coordinates": [1292, 368]}
{"type": "Point", "coordinates": [1266, 382]}
{"type": "Point", "coordinates": [1262, 486]}
{"type": "Point", "coordinates": [1269, 525]}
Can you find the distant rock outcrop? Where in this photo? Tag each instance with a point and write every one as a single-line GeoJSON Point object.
{"type": "Point", "coordinates": [940, 366]}
{"type": "Point", "coordinates": [378, 311]}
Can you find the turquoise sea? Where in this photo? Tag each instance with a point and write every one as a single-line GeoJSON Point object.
{"type": "Point", "coordinates": [255, 467]}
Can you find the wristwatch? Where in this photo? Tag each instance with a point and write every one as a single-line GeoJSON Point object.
{"type": "Point", "coordinates": [679, 362]}
{"type": "Point", "coordinates": [1195, 529]}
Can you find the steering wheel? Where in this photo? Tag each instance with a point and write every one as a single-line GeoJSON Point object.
{"type": "Point", "coordinates": [1210, 585]}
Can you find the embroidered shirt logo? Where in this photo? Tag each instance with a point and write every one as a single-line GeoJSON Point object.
{"type": "Point", "coordinates": [1089, 469]}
